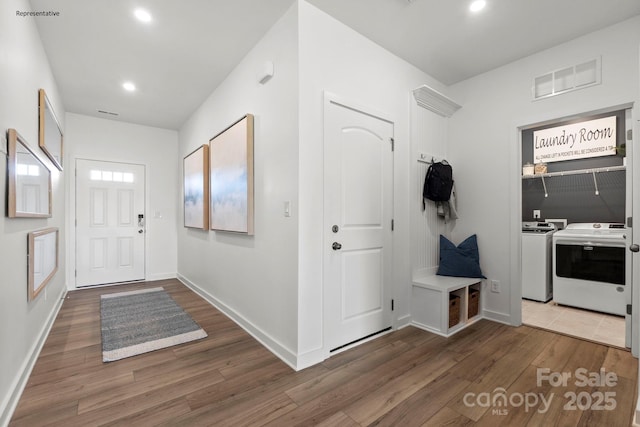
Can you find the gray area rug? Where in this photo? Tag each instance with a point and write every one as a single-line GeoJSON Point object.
{"type": "Point", "coordinates": [141, 321]}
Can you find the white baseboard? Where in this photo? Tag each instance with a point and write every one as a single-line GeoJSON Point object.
{"type": "Point", "coordinates": [310, 358]}
{"type": "Point", "coordinates": [286, 355]}
{"type": "Point", "coordinates": [497, 317]}
{"type": "Point", "coordinates": [403, 321]}
{"type": "Point", "coordinates": [10, 403]}
{"type": "Point", "coordinates": [161, 276]}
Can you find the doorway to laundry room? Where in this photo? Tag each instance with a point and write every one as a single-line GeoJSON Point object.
{"type": "Point", "coordinates": [576, 211]}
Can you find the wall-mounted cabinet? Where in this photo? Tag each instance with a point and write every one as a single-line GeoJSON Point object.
{"type": "Point", "coordinates": [445, 305]}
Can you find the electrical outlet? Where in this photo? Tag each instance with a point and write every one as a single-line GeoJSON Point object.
{"type": "Point", "coordinates": [536, 214]}
{"type": "Point", "coordinates": [495, 286]}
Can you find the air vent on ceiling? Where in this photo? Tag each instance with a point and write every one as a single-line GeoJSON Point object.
{"type": "Point", "coordinates": [109, 113]}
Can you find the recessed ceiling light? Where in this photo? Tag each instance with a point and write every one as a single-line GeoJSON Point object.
{"type": "Point", "coordinates": [142, 15]}
{"type": "Point", "coordinates": [128, 86]}
{"type": "Point", "coordinates": [477, 5]}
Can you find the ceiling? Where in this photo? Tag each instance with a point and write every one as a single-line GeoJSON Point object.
{"type": "Point", "coordinates": [189, 47]}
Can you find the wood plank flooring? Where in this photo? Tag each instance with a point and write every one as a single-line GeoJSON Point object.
{"type": "Point", "coordinates": [485, 375]}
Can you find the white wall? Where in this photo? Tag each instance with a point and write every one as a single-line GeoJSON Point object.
{"type": "Point", "coordinates": [109, 140]}
{"type": "Point", "coordinates": [484, 142]}
{"type": "Point", "coordinates": [254, 278]}
{"type": "Point", "coordinates": [24, 69]}
{"type": "Point", "coordinates": [336, 59]}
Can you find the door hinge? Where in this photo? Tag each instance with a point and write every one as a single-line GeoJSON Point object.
{"type": "Point", "coordinates": [629, 135]}
{"type": "Point", "coordinates": [76, 273]}
{"type": "Point", "coordinates": [392, 307]}
{"type": "Point", "coordinates": [393, 224]}
{"type": "Point", "coordinates": [393, 144]}
{"type": "Point", "coordinates": [629, 309]}
{"type": "Point", "coordinates": [630, 222]}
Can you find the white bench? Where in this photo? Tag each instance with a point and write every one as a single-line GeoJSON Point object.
{"type": "Point", "coordinates": [430, 302]}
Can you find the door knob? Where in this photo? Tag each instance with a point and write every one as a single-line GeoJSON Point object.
{"type": "Point", "coordinates": [336, 246]}
{"type": "Point", "coordinates": [634, 247]}
{"type": "Point", "coordinates": [140, 231]}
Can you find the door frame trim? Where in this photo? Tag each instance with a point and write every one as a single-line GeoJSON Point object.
{"type": "Point", "coordinates": [515, 162]}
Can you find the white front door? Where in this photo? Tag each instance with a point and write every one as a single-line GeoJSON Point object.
{"type": "Point", "coordinates": [358, 200]}
{"type": "Point", "coordinates": [109, 222]}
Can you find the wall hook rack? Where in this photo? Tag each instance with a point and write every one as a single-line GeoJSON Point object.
{"type": "Point", "coordinates": [424, 158]}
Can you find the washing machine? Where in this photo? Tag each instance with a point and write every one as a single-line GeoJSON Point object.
{"type": "Point", "coordinates": [537, 244]}
{"type": "Point", "coordinates": [589, 267]}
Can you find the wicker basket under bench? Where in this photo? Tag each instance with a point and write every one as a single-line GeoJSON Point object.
{"type": "Point", "coordinates": [444, 305]}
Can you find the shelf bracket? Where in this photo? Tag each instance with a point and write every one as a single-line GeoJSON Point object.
{"type": "Point", "coordinates": [544, 185]}
{"type": "Point", "coordinates": [595, 183]}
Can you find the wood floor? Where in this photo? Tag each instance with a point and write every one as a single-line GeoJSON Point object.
{"type": "Point", "coordinates": [405, 378]}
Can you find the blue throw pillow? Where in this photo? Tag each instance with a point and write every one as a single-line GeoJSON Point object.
{"type": "Point", "coordinates": [460, 261]}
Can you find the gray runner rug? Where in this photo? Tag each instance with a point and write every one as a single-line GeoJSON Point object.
{"type": "Point", "coordinates": [137, 322]}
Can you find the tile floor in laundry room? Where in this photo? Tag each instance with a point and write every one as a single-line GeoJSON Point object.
{"type": "Point", "coordinates": [604, 328]}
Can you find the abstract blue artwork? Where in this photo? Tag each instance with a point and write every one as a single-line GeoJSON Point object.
{"type": "Point", "coordinates": [231, 183]}
{"type": "Point", "coordinates": [196, 188]}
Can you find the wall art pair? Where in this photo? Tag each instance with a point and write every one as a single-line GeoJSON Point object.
{"type": "Point", "coordinates": [218, 181]}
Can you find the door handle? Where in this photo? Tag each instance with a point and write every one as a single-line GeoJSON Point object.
{"type": "Point", "coordinates": [336, 246]}
{"type": "Point", "coordinates": [140, 231]}
{"type": "Point", "coordinates": [634, 248]}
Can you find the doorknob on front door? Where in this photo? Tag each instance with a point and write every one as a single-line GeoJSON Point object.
{"type": "Point", "coordinates": [336, 246]}
{"type": "Point", "coordinates": [634, 247]}
{"type": "Point", "coordinates": [140, 231]}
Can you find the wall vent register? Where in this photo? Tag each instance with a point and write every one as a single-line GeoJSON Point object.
{"type": "Point", "coordinates": [567, 79]}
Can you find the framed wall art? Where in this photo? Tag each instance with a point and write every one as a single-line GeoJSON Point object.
{"type": "Point", "coordinates": [43, 259]}
{"type": "Point", "coordinates": [196, 188]}
{"type": "Point", "coordinates": [29, 193]}
{"type": "Point", "coordinates": [231, 183]}
{"type": "Point", "coordinates": [50, 138]}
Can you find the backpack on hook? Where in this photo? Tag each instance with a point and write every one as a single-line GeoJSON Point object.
{"type": "Point", "coordinates": [438, 182]}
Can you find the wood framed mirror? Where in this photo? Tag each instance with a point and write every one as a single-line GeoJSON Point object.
{"type": "Point", "coordinates": [29, 192]}
{"type": "Point", "coordinates": [43, 259]}
{"type": "Point", "coordinates": [50, 137]}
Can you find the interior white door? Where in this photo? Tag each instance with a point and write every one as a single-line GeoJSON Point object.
{"type": "Point", "coordinates": [110, 241]}
{"type": "Point", "coordinates": [358, 205]}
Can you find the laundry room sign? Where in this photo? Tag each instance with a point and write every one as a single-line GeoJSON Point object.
{"type": "Point", "coordinates": [593, 138]}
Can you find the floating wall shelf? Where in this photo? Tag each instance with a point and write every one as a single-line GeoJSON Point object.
{"type": "Point", "coordinates": [433, 100]}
